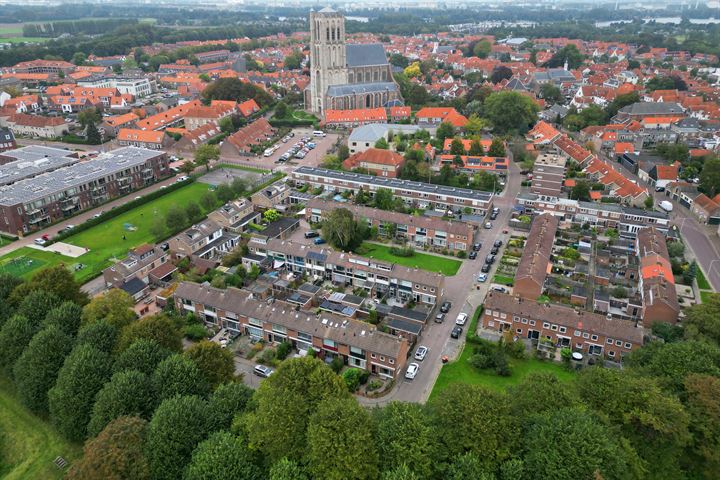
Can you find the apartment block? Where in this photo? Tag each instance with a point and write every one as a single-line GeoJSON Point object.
{"type": "Point", "coordinates": [31, 161]}
{"type": "Point", "coordinates": [535, 262]}
{"type": "Point", "coordinates": [548, 175]}
{"type": "Point", "coordinates": [31, 203]}
{"type": "Point", "coordinates": [419, 231]}
{"type": "Point", "coordinates": [417, 194]}
{"type": "Point", "coordinates": [357, 343]}
{"type": "Point", "coordinates": [581, 331]}
{"type": "Point", "coordinates": [379, 279]}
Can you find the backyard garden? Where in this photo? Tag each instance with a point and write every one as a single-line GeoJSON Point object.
{"type": "Point", "coordinates": [424, 261]}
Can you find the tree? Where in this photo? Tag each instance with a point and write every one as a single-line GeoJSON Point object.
{"type": "Point", "coordinates": [235, 89]}
{"type": "Point", "coordinates": [500, 73]}
{"type": "Point", "coordinates": [294, 60]}
{"type": "Point", "coordinates": [143, 356]}
{"type": "Point", "coordinates": [468, 466]}
{"type": "Point", "coordinates": [208, 200]}
{"type": "Point", "coordinates": [36, 370]}
{"type": "Point", "coordinates": [382, 143]}
{"type": "Point", "coordinates": [342, 231]}
{"type": "Point", "coordinates": [652, 420]}
{"type": "Point", "coordinates": [284, 403]}
{"type": "Point", "coordinates": [66, 317]}
{"type": "Point", "coordinates": [214, 362]}
{"type": "Point", "coordinates": [703, 320]}
{"type": "Point", "coordinates": [551, 93]}
{"type": "Point", "coordinates": [127, 393]}
{"type": "Point", "coordinates": [396, 423]}
{"type": "Point", "coordinates": [157, 327]}
{"type": "Point", "coordinates": [402, 472]}
{"type": "Point", "coordinates": [497, 148]}
{"type": "Point", "coordinates": [581, 191]}
{"type": "Point", "coordinates": [649, 202]}
{"type": "Point", "coordinates": [710, 176]}
{"type": "Point", "coordinates": [204, 154]}
{"type": "Point", "coordinates": [673, 152]}
{"type": "Point", "coordinates": [621, 101]}
{"type": "Point", "coordinates": [177, 427]}
{"type": "Point", "coordinates": [205, 77]}
{"type": "Point", "coordinates": [226, 125]}
{"type": "Point", "coordinates": [285, 469]}
{"type": "Point", "coordinates": [510, 111]}
{"type": "Point", "coordinates": [178, 375]}
{"type": "Point", "coordinates": [341, 426]}
{"type": "Point", "coordinates": [187, 167]}
{"type": "Point", "coordinates": [281, 110]}
{"type": "Point", "coordinates": [271, 215]}
{"type": "Point", "coordinates": [239, 186]}
{"type": "Point", "coordinates": [703, 406]}
{"type": "Point", "coordinates": [89, 116]}
{"type": "Point", "coordinates": [223, 456]}
{"type": "Point", "coordinates": [482, 49]}
{"type": "Point", "coordinates": [445, 130]}
{"type": "Point", "coordinates": [470, 418]}
{"type": "Point", "coordinates": [476, 148]}
{"type": "Point", "coordinates": [474, 125]}
{"type": "Point", "coordinates": [343, 152]}
{"type": "Point", "coordinates": [539, 393]}
{"type": "Point", "coordinates": [114, 306]}
{"type": "Point", "coordinates": [15, 335]}
{"type": "Point", "coordinates": [568, 54]}
{"type": "Point", "coordinates": [227, 401]}
{"type": "Point", "coordinates": [93, 135]}
{"type": "Point", "coordinates": [100, 335]}
{"type": "Point", "coordinates": [399, 60]}
{"type": "Point", "coordinates": [412, 70]}
{"type": "Point", "coordinates": [176, 218]}
{"type": "Point", "coordinates": [36, 304]}
{"type": "Point", "coordinates": [384, 199]}
{"type": "Point", "coordinates": [457, 147]}
{"type": "Point", "coordinates": [193, 212]}
{"type": "Point", "coordinates": [117, 453]}
{"type": "Point", "coordinates": [56, 280]}
{"type": "Point", "coordinates": [71, 400]}
{"type": "Point", "coordinates": [225, 192]}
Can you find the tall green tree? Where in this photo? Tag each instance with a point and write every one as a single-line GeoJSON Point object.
{"type": "Point", "coordinates": [204, 154]}
{"type": "Point", "coordinates": [581, 191]}
{"type": "Point", "coordinates": [550, 93]}
{"type": "Point", "coordinates": [177, 427]}
{"type": "Point", "coordinates": [66, 317]}
{"type": "Point", "coordinates": [114, 306]}
{"type": "Point", "coordinates": [540, 393]}
{"type": "Point", "coordinates": [56, 280]}
{"type": "Point", "coordinates": [445, 130]}
{"type": "Point", "coordinates": [37, 304]}
{"type": "Point", "coordinates": [702, 404]}
{"type": "Point", "coordinates": [227, 401]}
{"type": "Point", "coordinates": [468, 466]}
{"type": "Point", "coordinates": [36, 370]}
{"type": "Point", "coordinates": [117, 453]}
{"type": "Point", "coordinates": [214, 362]}
{"type": "Point", "coordinates": [15, 335]}
{"type": "Point", "coordinates": [285, 469]}
{"type": "Point", "coordinates": [476, 148]}
{"type": "Point", "coordinates": [179, 375]}
{"type": "Point", "coordinates": [568, 54]}
{"type": "Point", "coordinates": [341, 426]}
{"type": "Point", "coordinates": [457, 147]}
{"type": "Point", "coordinates": [93, 135]}
{"type": "Point", "coordinates": [284, 403]}
{"type": "Point", "coordinates": [510, 112]}
{"type": "Point", "coordinates": [710, 176]}
{"type": "Point", "coordinates": [223, 456]}
{"type": "Point", "coordinates": [143, 355]}
{"type": "Point", "coordinates": [100, 335]}
{"type": "Point", "coordinates": [156, 327]}
{"type": "Point", "coordinates": [497, 148]}
{"type": "Point", "coordinates": [71, 400]}
{"type": "Point", "coordinates": [342, 231]}
{"type": "Point", "coordinates": [128, 393]}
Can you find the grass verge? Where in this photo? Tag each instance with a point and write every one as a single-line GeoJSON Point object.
{"type": "Point", "coordinates": [242, 167]}
{"type": "Point", "coordinates": [460, 371]}
{"type": "Point", "coordinates": [431, 263]}
{"type": "Point", "coordinates": [702, 282]}
{"type": "Point", "coordinates": [503, 280]}
{"type": "Point", "coordinates": [28, 444]}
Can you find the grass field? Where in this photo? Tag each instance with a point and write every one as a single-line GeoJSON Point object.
{"type": "Point", "coordinates": [11, 29]}
{"type": "Point", "coordinates": [702, 282]}
{"type": "Point", "coordinates": [242, 167]}
{"type": "Point", "coordinates": [105, 241]}
{"type": "Point", "coordinates": [24, 39]}
{"type": "Point", "coordinates": [503, 280]}
{"type": "Point", "coordinates": [431, 263]}
{"type": "Point", "coordinates": [28, 444]}
{"type": "Point", "coordinates": [460, 371]}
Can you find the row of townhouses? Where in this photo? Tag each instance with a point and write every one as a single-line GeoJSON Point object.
{"type": "Point", "coordinates": [379, 279]}
{"type": "Point", "coordinates": [357, 343]}
{"type": "Point", "coordinates": [416, 194]}
{"type": "Point", "coordinates": [420, 231]}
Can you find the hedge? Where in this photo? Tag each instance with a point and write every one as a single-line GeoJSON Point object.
{"type": "Point", "coordinates": [122, 209]}
{"type": "Point", "coordinates": [290, 122]}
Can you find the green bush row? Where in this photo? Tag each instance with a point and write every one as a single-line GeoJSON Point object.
{"type": "Point", "coordinates": [290, 122]}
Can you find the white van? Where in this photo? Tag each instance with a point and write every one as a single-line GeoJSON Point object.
{"type": "Point", "coordinates": [318, 133]}
{"type": "Point", "coordinates": [268, 152]}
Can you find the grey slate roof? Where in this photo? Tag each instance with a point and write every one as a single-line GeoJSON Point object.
{"type": "Point", "coordinates": [353, 88]}
{"type": "Point", "coordinates": [365, 54]}
{"type": "Point", "coordinates": [652, 108]}
{"type": "Point", "coordinates": [373, 131]}
{"type": "Point", "coordinates": [32, 161]}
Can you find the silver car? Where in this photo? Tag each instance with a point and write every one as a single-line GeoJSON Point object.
{"type": "Point", "coordinates": [420, 353]}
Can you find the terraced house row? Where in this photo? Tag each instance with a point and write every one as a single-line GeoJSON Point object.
{"type": "Point", "coordinates": [416, 194]}
{"type": "Point", "coordinates": [357, 343]}
{"type": "Point", "coordinates": [379, 279]}
{"type": "Point", "coordinates": [421, 231]}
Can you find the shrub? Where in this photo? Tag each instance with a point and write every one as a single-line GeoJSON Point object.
{"type": "Point", "coordinates": [364, 375]}
{"type": "Point", "coordinates": [336, 364]}
{"type": "Point", "coordinates": [195, 331]}
{"type": "Point", "coordinates": [461, 254]}
{"type": "Point", "coordinates": [351, 376]}
{"type": "Point", "coordinates": [502, 367]}
{"type": "Point", "coordinates": [402, 251]}
{"type": "Point", "coordinates": [480, 361]}
{"type": "Point", "coordinates": [268, 357]}
{"type": "Point", "coordinates": [374, 385]}
{"type": "Point", "coordinates": [283, 350]}
{"type": "Point", "coordinates": [311, 353]}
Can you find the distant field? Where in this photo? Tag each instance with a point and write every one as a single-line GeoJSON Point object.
{"type": "Point", "coordinates": [11, 29]}
{"type": "Point", "coordinates": [24, 39]}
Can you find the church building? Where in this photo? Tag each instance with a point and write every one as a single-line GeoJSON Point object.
{"type": "Point", "coordinates": [344, 77]}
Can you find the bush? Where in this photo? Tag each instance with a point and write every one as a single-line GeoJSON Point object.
{"type": "Point", "coordinates": [461, 254]}
{"type": "Point", "coordinates": [268, 357]}
{"type": "Point", "coordinates": [402, 251]}
{"type": "Point", "coordinates": [364, 376]}
{"type": "Point", "coordinates": [336, 364]}
{"type": "Point", "coordinates": [502, 367]}
{"type": "Point", "coordinates": [352, 376]}
{"type": "Point", "coordinates": [480, 361]}
{"type": "Point", "coordinates": [311, 353]}
{"type": "Point", "coordinates": [283, 350]}
{"type": "Point", "coordinates": [195, 331]}
{"type": "Point", "coordinates": [374, 385]}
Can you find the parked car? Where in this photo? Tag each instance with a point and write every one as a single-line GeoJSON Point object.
{"type": "Point", "coordinates": [67, 228]}
{"type": "Point", "coordinates": [485, 268]}
{"type": "Point", "coordinates": [488, 225]}
{"type": "Point", "coordinates": [477, 246]}
{"type": "Point", "coordinates": [500, 289]}
{"type": "Point", "coordinates": [445, 307]}
{"type": "Point", "coordinates": [412, 371]}
{"type": "Point", "coordinates": [482, 277]}
{"type": "Point", "coordinates": [41, 241]}
{"type": "Point", "coordinates": [311, 234]}
{"type": "Point", "coordinates": [262, 371]}
{"type": "Point", "coordinates": [498, 243]}
{"type": "Point", "coordinates": [456, 331]}
{"type": "Point", "coordinates": [493, 216]}
{"type": "Point", "coordinates": [421, 352]}
{"type": "Point", "coordinates": [461, 319]}
{"type": "Point", "coordinates": [490, 259]}
{"type": "Point", "coordinates": [473, 255]}
{"type": "Point", "coordinates": [494, 250]}
{"type": "Point", "coordinates": [659, 189]}
{"type": "Point", "coordinates": [319, 241]}
{"type": "Point", "coordinates": [439, 318]}
{"type": "Point", "coordinates": [182, 178]}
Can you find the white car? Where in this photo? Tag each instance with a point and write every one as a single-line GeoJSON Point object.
{"type": "Point", "coordinates": [182, 179]}
{"type": "Point", "coordinates": [412, 371]}
{"type": "Point", "coordinates": [420, 353]}
{"type": "Point", "coordinates": [263, 371]}
{"type": "Point", "coordinates": [461, 319]}
{"type": "Point", "coordinates": [482, 277]}
{"type": "Point", "coordinates": [488, 225]}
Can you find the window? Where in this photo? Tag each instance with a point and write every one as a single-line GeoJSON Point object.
{"type": "Point", "coordinates": [628, 345]}
{"type": "Point", "coordinates": [618, 342]}
{"type": "Point", "coordinates": [532, 323]}
{"type": "Point", "coordinates": [553, 328]}
{"type": "Point", "coordinates": [611, 353]}
{"type": "Point", "coordinates": [372, 355]}
{"type": "Point", "coordinates": [524, 320]}
{"type": "Point", "coordinates": [518, 331]}
{"type": "Point", "coordinates": [382, 359]}
{"type": "Point", "coordinates": [546, 325]}
{"type": "Point", "coordinates": [577, 333]}
{"type": "Point", "coordinates": [586, 335]}
{"type": "Point", "coordinates": [516, 318]}
{"type": "Point", "coordinates": [391, 361]}
{"type": "Point", "coordinates": [609, 341]}
{"type": "Point", "coordinates": [563, 329]}
{"type": "Point", "coordinates": [594, 338]}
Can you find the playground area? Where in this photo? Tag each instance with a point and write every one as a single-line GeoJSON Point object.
{"type": "Point", "coordinates": [21, 266]}
{"type": "Point", "coordinates": [228, 172]}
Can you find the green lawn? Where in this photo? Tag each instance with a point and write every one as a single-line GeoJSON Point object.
{"type": "Point", "coordinates": [24, 39]}
{"type": "Point", "coordinates": [105, 241]}
{"type": "Point", "coordinates": [460, 370]}
{"type": "Point", "coordinates": [702, 282]}
{"type": "Point", "coordinates": [431, 263]}
{"type": "Point", "coordinates": [705, 296]}
{"type": "Point", "coordinates": [242, 167]}
{"type": "Point", "coordinates": [503, 280]}
{"type": "Point", "coordinates": [11, 29]}
{"type": "Point", "coordinates": [28, 444]}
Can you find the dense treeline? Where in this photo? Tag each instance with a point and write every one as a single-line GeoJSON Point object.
{"type": "Point", "coordinates": [149, 410]}
{"type": "Point", "coordinates": [75, 27]}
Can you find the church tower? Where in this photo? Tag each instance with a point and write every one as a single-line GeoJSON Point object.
{"type": "Point", "coordinates": [328, 63]}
